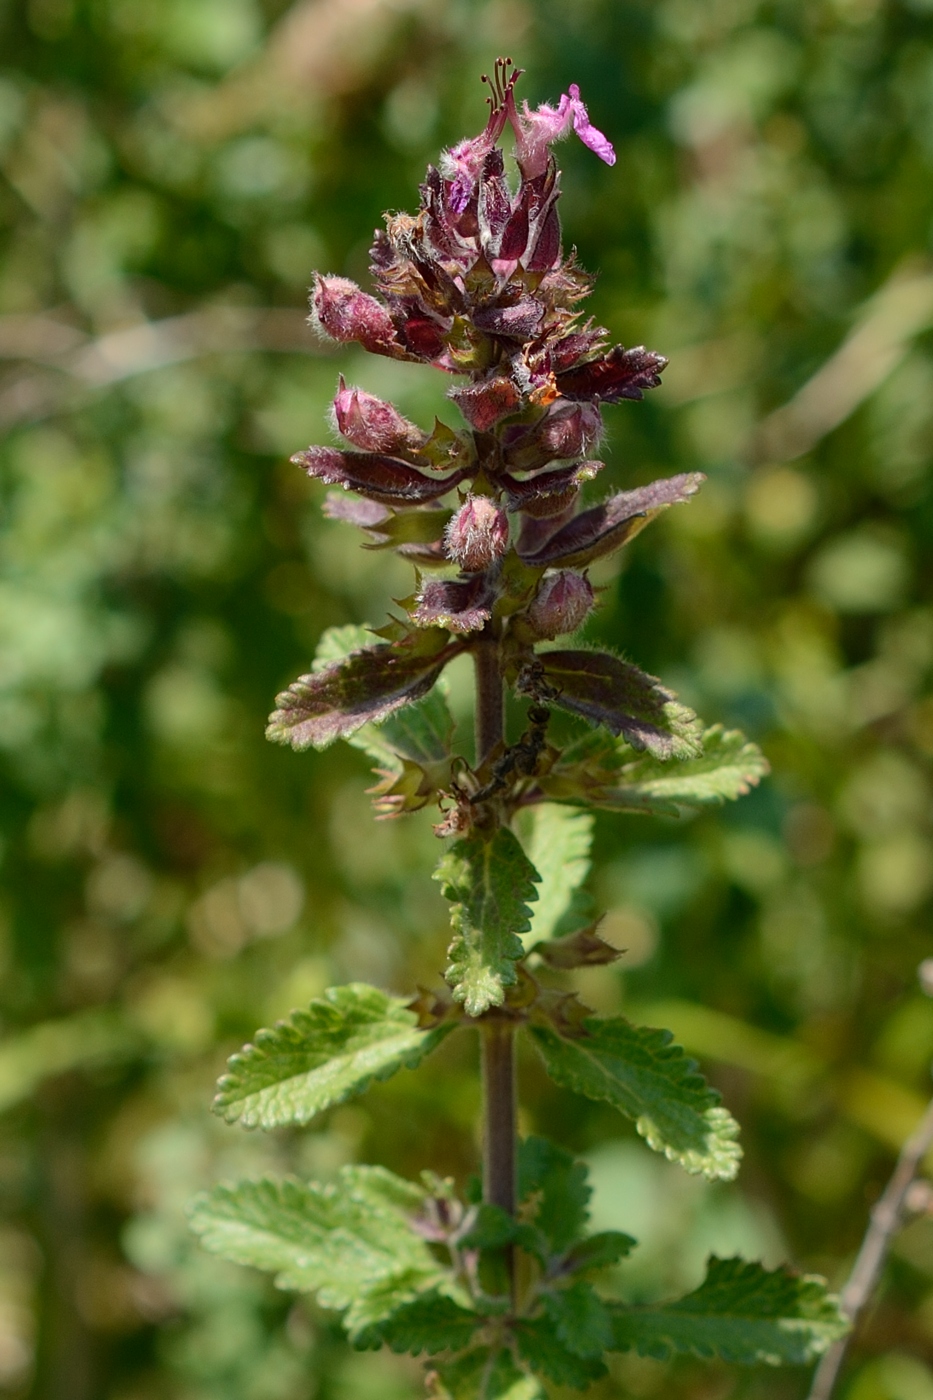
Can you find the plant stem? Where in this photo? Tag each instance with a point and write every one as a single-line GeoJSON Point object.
{"type": "Point", "coordinates": [497, 1034]}
{"type": "Point", "coordinates": [499, 1112]}
{"type": "Point", "coordinates": [490, 704]}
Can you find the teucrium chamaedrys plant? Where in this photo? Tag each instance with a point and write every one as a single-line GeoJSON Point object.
{"type": "Point", "coordinates": [498, 1291]}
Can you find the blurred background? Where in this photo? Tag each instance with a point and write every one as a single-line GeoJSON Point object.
{"type": "Point", "coordinates": [170, 174]}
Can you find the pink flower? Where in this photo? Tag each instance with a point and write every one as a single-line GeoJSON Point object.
{"type": "Point", "coordinates": [535, 131]}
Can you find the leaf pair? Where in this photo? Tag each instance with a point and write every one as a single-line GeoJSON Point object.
{"type": "Point", "coordinates": [360, 1246]}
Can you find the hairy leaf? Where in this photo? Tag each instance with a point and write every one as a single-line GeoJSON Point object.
{"type": "Point", "coordinates": [727, 768]}
{"type": "Point", "coordinates": [620, 374]}
{"type": "Point", "coordinates": [382, 479]}
{"type": "Point", "coordinates": [603, 529]}
{"type": "Point", "coordinates": [461, 605]}
{"type": "Point", "coordinates": [331, 703]}
{"type": "Point", "coordinates": [489, 882]}
{"type": "Point", "coordinates": [558, 846]}
{"type": "Point", "coordinates": [487, 1373]}
{"type": "Point", "coordinates": [742, 1313]}
{"type": "Point", "coordinates": [559, 486]}
{"type": "Point", "coordinates": [350, 1243]}
{"type": "Point", "coordinates": [322, 1056]}
{"type": "Point", "coordinates": [642, 1074]}
{"type": "Point", "coordinates": [420, 732]}
{"type": "Point", "coordinates": [544, 1351]}
{"type": "Point", "coordinates": [605, 690]}
{"type": "Point", "coordinates": [432, 1322]}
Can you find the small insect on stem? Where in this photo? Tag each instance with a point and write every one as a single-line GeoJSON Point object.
{"type": "Point", "coordinates": [521, 758]}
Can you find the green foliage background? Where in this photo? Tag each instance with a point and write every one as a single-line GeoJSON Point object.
{"type": "Point", "coordinates": [171, 173]}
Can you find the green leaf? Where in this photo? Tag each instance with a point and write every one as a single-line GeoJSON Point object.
{"type": "Point", "coordinates": [598, 1252]}
{"type": "Point", "coordinates": [651, 1081]}
{"type": "Point", "coordinates": [541, 1348]}
{"type": "Point", "coordinates": [420, 733]}
{"type": "Point", "coordinates": [488, 880]}
{"type": "Point", "coordinates": [580, 1319]}
{"type": "Point", "coordinates": [431, 1322]}
{"type": "Point", "coordinates": [366, 686]}
{"type": "Point", "coordinates": [350, 1243]}
{"type": "Point", "coordinates": [728, 767]}
{"type": "Point", "coordinates": [322, 1056]}
{"type": "Point", "coordinates": [558, 846]}
{"type": "Point", "coordinates": [487, 1373]}
{"type": "Point", "coordinates": [741, 1312]}
{"type": "Point", "coordinates": [606, 690]}
{"type": "Point", "coordinates": [337, 643]}
{"type": "Point", "coordinates": [555, 1185]}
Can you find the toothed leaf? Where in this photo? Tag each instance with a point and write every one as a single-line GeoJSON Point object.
{"type": "Point", "coordinates": [605, 690]}
{"type": "Point", "coordinates": [652, 1081]}
{"type": "Point", "coordinates": [489, 882]}
{"type": "Point", "coordinates": [487, 1373]}
{"type": "Point", "coordinates": [350, 1243]}
{"type": "Point", "coordinates": [558, 845]}
{"type": "Point", "coordinates": [727, 768]}
{"type": "Point", "coordinates": [368, 685]}
{"type": "Point", "coordinates": [541, 1348]}
{"type": "Point", "coordinates": [322, 1056]}
{"type": "Point", "coordinates": [553, 1188]}
{"type": "Point", "coordinates": [430, 1323]}
{"type": "Point", "coordinates": [742, 1313]}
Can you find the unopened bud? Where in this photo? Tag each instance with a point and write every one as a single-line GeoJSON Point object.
{"type": "Point", "coordinates": [567, 430]}
{"type": "Point", "coordinates": [371, 424]}
{"type": "Point", "coordinates": [347, 313]}
{"type": "Point", "coordinates": [561, 604]}
{"type": "Point", "coordinates": [477, 535]}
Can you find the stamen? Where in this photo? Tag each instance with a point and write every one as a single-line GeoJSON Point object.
{"type": "Point", "coordinates": [501, 83]}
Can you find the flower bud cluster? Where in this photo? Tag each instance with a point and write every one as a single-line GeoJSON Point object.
{"type": "Point", "coordinates": [476, 284]}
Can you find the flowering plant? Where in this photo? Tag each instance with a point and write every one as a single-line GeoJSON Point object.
{"type": "Point", "coordinates": [497, 1286]}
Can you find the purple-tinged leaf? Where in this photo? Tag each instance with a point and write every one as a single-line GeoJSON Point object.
{"type": "Point", "coordinates": [604, 528]}
{"type": "Point", "coordinates": [566, 353]}
{"type": "Point", "coordinates": [605, 690]}
{"type": "Point", "coordinates": [622, 374]}
{"type": "Point", "coordinates": [382, 479]}
{"type": "Point", "coordinates": [519, 322]}
{"type": "Point", "coordinates": [584, 948]}
{"type": "Point", "coordinates": [367, 686]}
{"type": "Point", "coordinates": [484, 404]}
{"type": "Point", "coordinates": [548, 493]}
{"type": "Point", "coordinates": [459, 605]}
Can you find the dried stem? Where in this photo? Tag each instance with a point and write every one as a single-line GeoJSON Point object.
{"type": "Point", "coordinates": [886, 1218]}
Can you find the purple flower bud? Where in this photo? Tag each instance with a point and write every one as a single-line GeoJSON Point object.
{"type": "Point", "coordinates": [567, 430]}
{"type": "Point", "coordinates": [477, 535]}
{"type": "Point", "coordinates": [373, 425]}
{"type": "Point", "coordinates": [561, 604]}
{"type": "Point", "coordinates": [345, 313]}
